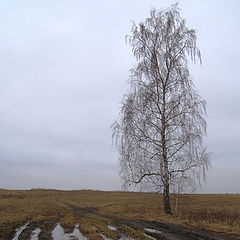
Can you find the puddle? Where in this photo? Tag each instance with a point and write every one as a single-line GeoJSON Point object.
{"type": "Point", "coordinates": [18, 231]}
{"type": "Point", "coordinates": [76, 233]}
{"type": "Point", "coordinates": [150, 237]}
{"type": "Point", "coordinates": [169, 236]}
{"type": "Point", "coordinates": [35, 233]}
{"type": "Point", "coordinates": [111, 227]}
{"type": "Point", "coordinates": [58, 234]}
{"type": "Point", "coordinates": [151, 230]}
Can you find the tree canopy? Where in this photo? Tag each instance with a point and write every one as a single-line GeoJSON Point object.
{"type": "Point", "coordinates": [161, 126]}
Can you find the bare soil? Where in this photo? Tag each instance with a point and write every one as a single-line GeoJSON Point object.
{"type": "Point", "coordinates": [168, 231]}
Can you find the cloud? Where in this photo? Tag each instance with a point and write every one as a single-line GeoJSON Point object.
{"type": "Point", "coordinates": [63, 71]}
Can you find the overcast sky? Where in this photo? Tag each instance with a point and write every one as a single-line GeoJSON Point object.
{"type": "Point", "coordinates": [64, 67]}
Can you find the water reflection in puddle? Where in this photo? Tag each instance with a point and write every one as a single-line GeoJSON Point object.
{"type": "Point", "coordinates": [35, 233]}
{"type": "Point", "coordinates": [18, 231]}
{"type": "Point", "coordinates": [153, 230]}
{"type": "Point", "coordinates": [111, 227]}
{"type": "Point", "coordinates": [58, 234]}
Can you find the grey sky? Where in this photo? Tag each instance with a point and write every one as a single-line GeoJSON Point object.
{"type": "Point", "coordinates": [64, 67]}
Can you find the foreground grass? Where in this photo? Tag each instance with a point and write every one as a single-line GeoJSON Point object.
{"type": "Point", "coordinates": [220, 213]}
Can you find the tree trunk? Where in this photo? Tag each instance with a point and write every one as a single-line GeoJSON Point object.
{"type": "Point", "coordinates": [177, 202]}
{"type": "Point", "coordinates": [166, 197]}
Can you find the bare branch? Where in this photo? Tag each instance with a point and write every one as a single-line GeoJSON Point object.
{"type": "Point", "coordinates": [161, 127]}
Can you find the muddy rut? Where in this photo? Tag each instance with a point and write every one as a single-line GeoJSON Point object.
{"type": "Point", "coordinates": [149, 229]}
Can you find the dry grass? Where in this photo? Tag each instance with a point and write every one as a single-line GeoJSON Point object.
{"type": "Point", "coordinates": [220, 213]}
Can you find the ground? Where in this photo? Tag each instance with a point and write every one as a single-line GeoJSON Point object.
{"type": "Point", "coordinates": [197, 216]}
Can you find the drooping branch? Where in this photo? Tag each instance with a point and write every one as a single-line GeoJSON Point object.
{"type": "Point", "coordinates": [161, 127]}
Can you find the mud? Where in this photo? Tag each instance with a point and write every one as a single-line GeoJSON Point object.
{"type": "Point", "coordinates": [151, 229]}
{"type": "Point", "coordinates": [19, 231]}
{"type": "Point", "coordinates": [46, 230]}
{"type": "Point", "coordinates": [174, 232]}
{"type": "Point", "coordinates": [27, 232]}
{"type": "Point", "coordinates": [160, 230]}
{"type": "Point", "coordinates": [36, 231]}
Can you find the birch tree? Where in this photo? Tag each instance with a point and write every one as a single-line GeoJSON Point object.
{"type": "Point", "coordinates": [161, 127]}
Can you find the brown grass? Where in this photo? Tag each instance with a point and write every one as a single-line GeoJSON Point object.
{"type": "Point", "coordinates": [220, 213]}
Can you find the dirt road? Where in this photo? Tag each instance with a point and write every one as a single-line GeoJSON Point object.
{"type": "Point", "coordinates": [122, 227]}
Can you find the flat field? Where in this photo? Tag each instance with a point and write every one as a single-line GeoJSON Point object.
{"type": "Point", "coordinates": [95, 210]}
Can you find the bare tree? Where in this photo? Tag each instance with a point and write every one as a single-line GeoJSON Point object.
{"type": "Point", "coordinates": [161, 127]}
